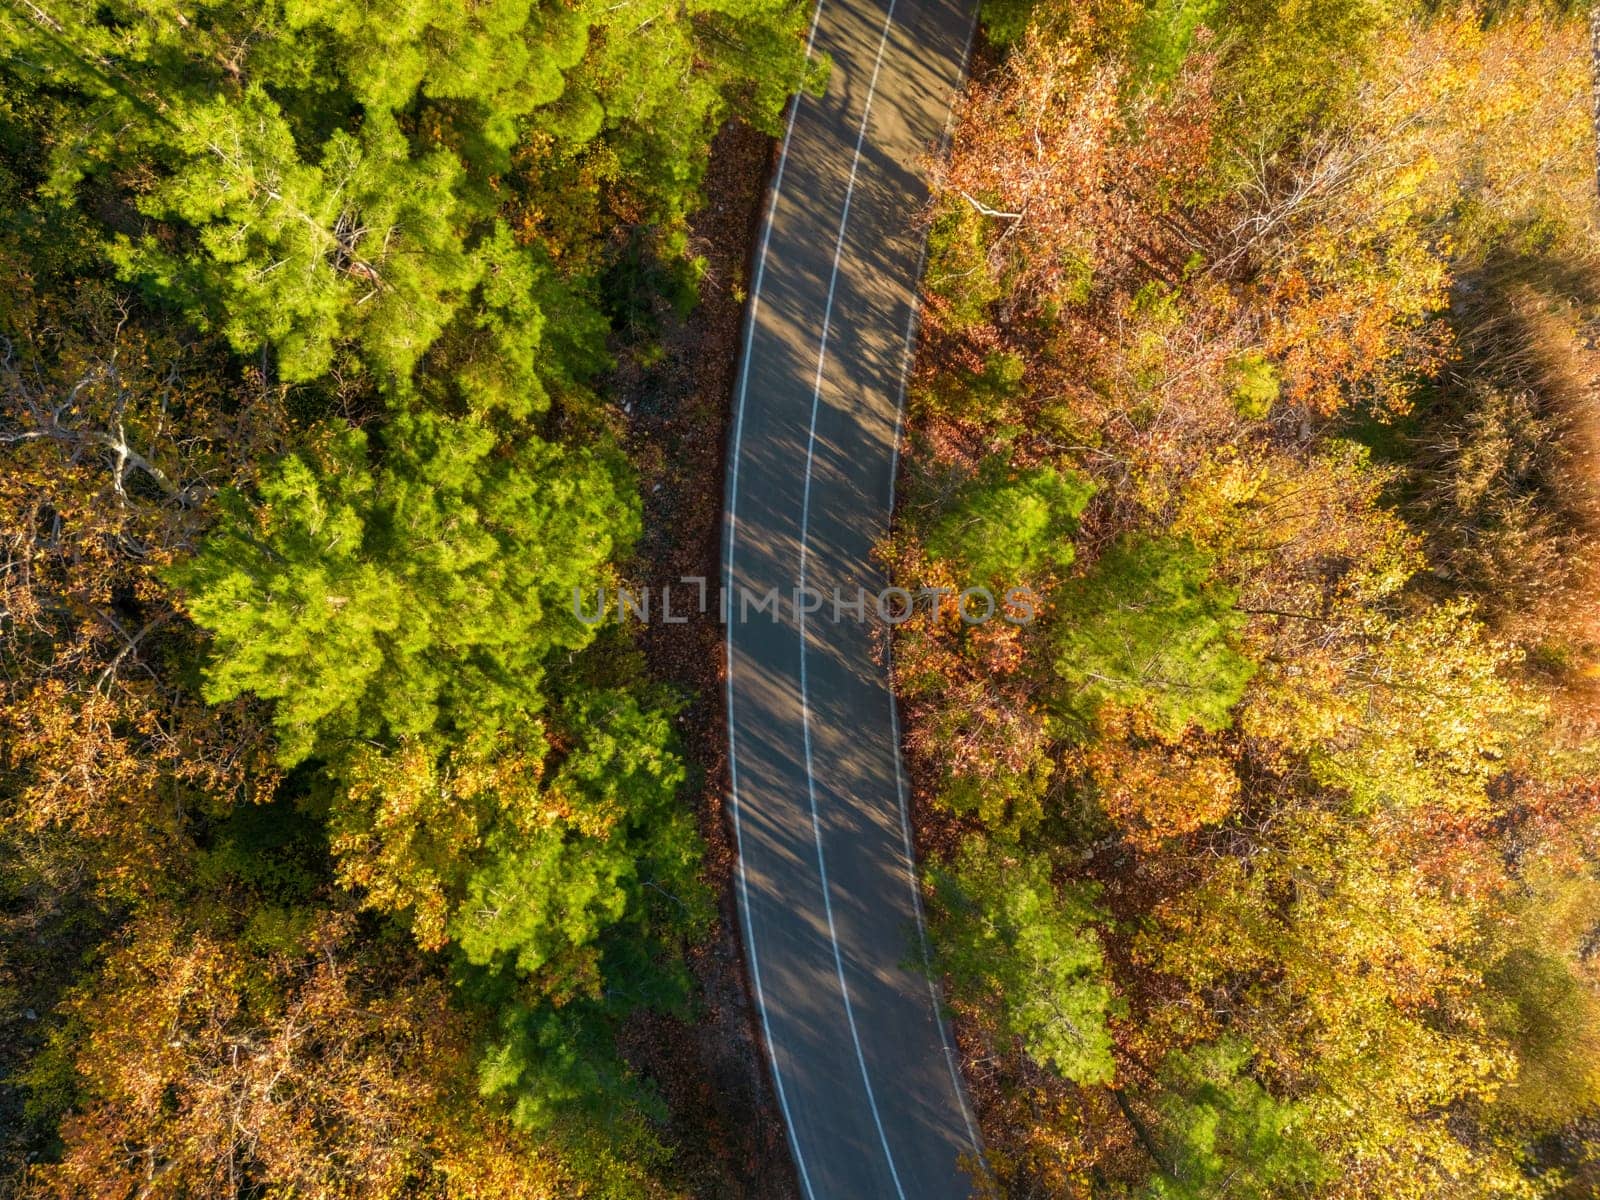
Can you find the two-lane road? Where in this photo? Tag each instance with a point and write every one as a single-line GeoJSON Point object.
{"type": "Point", "coordinates": [861, 1058]}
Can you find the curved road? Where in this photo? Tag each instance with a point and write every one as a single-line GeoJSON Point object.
{"type": "Point", "coordinates": [861, 1059]}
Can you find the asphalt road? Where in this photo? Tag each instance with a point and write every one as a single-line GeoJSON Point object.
{"type": "Point", "coordinates": [860, 1055]}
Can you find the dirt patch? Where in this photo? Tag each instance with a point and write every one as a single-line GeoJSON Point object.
{"type": "Point", "coordinates": [725, 1126]}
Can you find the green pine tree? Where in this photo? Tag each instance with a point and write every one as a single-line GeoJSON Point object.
{"type": "Point", "coordinates": [1023, 953]}
{"type": "Point", "coordinates": [622, 854]}
{"type": "Point", "coordinates": [421, 594]}
{"type": "Point", "coordinates": [1223, 1136]}
{"type": "Point", "coordinates": [1004, 527]}
{"type": "Point", "coordinates": [324, 179]}
{"type": "Point", "coordinates": [1148, 626]}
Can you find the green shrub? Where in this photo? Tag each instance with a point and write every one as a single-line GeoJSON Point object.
{"type": "Point", "coordinates": [1255, 384]}
{"type": "Point", "coordinates": [958, 266]}
{"type": "Point", "coordinates": [1005, 526]}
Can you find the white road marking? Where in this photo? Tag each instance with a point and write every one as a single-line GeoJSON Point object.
{"type": "Point", "coordinates": [894, 706]}
{"type": "Point", "coordinates": [733, 767]}
{"type": "Point", "coordinates": [900, 783]}
{"type": "Point", "coordinates": [733, 521]}
{"type": "Point", "coordinates": [805, 525]}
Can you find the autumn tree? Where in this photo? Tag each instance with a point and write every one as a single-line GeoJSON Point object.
{"type": "Point", "coordinates": [1301, 292]}
{"type": "Point", "coordinates": [117, 427]}
{"type": "Point", "coordinates": [209, 1064]}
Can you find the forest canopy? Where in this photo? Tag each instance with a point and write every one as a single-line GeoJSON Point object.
{"type": "Point", "coordinates": [1268, 857]}
{"type": "Point", "coordinates": [336, 850]}
{"type": "Point", "coordinates": [340, 858]}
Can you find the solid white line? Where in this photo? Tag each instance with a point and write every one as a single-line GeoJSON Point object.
{"type": "Point", "coordinates": [922, 931]}
{"type": "Point", "coordinates": [900, 783]}
{"type": "Point", "coordinates": [805, 706]}
{"type": "Point", "coordinates": [894, 706]}
{"type": "Point", "coordinates": [805, 525]}
{"type": "Point", "coordinates": [733, 521]}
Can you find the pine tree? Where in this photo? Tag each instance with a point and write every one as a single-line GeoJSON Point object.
{"type": "Point", "coordinates": [1223, 1135]}
{"type": "Point", "coordinates": [1023, 954]}
{"type": "Point", "coordinates": [421, 594]}
{"type": "Point", "coordinates": [1148, 627]}
{"type": "Point", "coordinates": [325, 178]}
{"type": "Point", "coordinates": [1003, 528]}
{"type": "Point", "coordinates": [610, 839]}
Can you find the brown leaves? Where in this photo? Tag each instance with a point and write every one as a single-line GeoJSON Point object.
{"type": "Point", "coordinates": [1153, 788]}
{"type": "Point", "coordinates": [115, 429]}
{"type": "Point", "coordinates": [209, 1068]}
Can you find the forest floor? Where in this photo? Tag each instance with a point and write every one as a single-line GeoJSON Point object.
{"type": "Point", "coordinates": [725, 1126]}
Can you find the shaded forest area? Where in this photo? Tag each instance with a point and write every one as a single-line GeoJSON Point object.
{"type": "Point", "coordinates": [1261, 342]}
{"type": "Point", "coordinates": [337, 857]}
